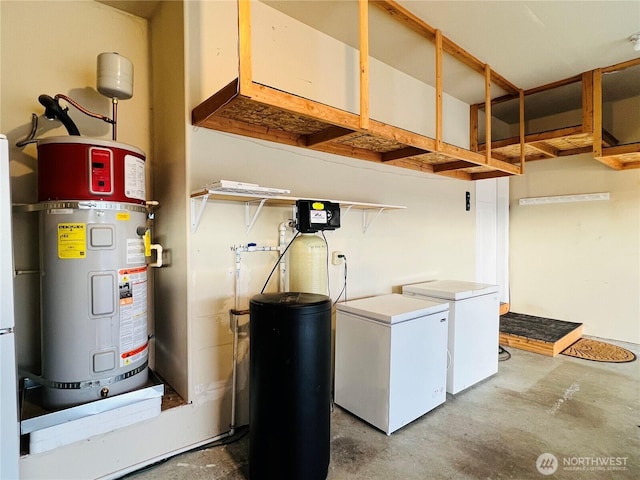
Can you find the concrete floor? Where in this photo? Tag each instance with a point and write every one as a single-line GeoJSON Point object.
{"type": "Point", "coordinates": [584, 413]}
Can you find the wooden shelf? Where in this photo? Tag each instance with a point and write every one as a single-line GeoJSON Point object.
{"type": "Point", "coordinates": [551, 144]}
{"type": "Point", "coordinates": [276, 116]}
{"type": "Point", "coordinates": [588, 137]}
{"type": "Point", "coordinates": [245, 107]}
{"type": "Point", "coordinates": [259, 201]}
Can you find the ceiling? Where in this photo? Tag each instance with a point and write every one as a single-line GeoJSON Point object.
{"type": "Point", "coordinates": [532, 43]}
{"type": "Point", "coordinates": [529, 43]}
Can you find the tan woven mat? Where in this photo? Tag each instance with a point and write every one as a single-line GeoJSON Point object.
{"type": "Point", "coordinates": [599, 351]}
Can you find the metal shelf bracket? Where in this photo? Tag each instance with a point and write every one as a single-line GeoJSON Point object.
{"type": "Point", "coordinates": [365, 224]}
{"type": "Point", "coordinates": [196, 216]}
{"type": "Point", "coordinates": [199, 202]}
{"type": "Point", "coordinates": [247, 213]}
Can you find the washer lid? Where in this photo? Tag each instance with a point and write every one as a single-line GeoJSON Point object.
{"type": "Point", "coordinates": [392, 308]}
{"type": "Point", "coordinates": [451, 289]}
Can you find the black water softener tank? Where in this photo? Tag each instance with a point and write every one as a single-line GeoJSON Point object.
{"type": "Point", "coordinates": [290, 386]}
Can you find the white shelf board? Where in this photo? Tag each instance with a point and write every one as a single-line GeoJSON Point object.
{"type": "Point", "coordinates": [578, 197]}
{"type": "Point", "coordinates": [202, 196]}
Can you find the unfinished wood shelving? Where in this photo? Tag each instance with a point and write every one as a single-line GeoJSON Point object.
{"type": "Point", "coordinates": [248, 108]}
{"type": "Point", "coordinates": [589, 136]}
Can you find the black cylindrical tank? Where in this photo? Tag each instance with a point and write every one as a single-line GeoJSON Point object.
{"type": "Point", "coordinates": [290, 386]}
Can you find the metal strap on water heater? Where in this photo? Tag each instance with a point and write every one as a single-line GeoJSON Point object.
{"type": "Point", "coordinates": [92, 383]}
{"type": "Point", "coordinates": [84, 205]}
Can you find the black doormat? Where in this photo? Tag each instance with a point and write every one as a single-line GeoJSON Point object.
{"type": "Point", "coordinates": [536, 328]}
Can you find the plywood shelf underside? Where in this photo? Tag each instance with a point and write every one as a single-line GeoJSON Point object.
{"type": "Point", "coordinates": [268, 118]}
{"type": "Point", "coordinates": [247, 108]}
{"type": "Point", "coordinates": [565, 142]}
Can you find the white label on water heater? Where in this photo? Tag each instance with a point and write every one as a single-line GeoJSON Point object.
{"type": "Point", "coordinates": [135, 251]}
{"type": "Point", "coordinates": [132, 283]}
{"type": "Point", "coordinates": [134, 178]}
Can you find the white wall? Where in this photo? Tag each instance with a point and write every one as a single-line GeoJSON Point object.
{"type": "Point", "coordinates": [291, 56]}
{"type": "Point", "coordinates": [579, 261]}
{"type": "Point", "coordinates": [620, 118]}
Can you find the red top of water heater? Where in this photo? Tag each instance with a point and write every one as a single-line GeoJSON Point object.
{"type": "Point", "coordinates": [82, 168]}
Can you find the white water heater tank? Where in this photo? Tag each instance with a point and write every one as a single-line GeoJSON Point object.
{"type": "Point", "coordinates": [93, 271]}
{"type": "Point", "coordinates": [308, 264]}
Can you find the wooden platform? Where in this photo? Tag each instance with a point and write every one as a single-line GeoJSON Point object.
{"type": "Point", "coordinates": [537, 334]}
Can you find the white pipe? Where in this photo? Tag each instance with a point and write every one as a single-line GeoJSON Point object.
{"type": "Point", "coordinates": [233, 320]}
{"type": "Point", "coordinates": [282, 242]}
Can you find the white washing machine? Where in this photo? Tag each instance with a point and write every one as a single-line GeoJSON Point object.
{"type": "Point", "coordinates": [474, 324]}
{"type": "Point", "coordinates": [391, 358]}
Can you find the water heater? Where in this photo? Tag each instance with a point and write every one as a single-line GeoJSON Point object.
{"type": "Point", "coordinates": [94, 286]}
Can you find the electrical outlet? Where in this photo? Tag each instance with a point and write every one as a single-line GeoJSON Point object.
{"type": "Point", "coordinates": [336, 259]}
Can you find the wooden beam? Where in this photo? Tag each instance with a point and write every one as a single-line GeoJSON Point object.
{"type": "Point", "coordinates": [621, 149]}
{"type": "Point", "coordinates": [457, 165]}
{"type": "Point", "coordinates": [458, 174]}
{"type": "Point", "coordinates": [533, 137]}
{"type": "Point", "coordinates": [306, 108]}
{"type": "Point", "coordinates": [280, 136]}
{"type": "Point", "coordinates": [502, 99]}
{"type": "Point", "coordinates": [501, 156]}
{"type": "Point", "coordinates": [245, 72]}
{"type": "Point", "coordinates": [401, 135]}
{"type": "Point", "coordinates": [587, 102]}
{"type": "Point", "coordinates": [545, 149]}
{"type": "Point", "coordinates": [478, 159]}
{"type": "Point", "coordinates": [574, 151]}
{"type": "Point", "coordinates": [228, 125]}
{"type": "Point", "coordinates": [402, 153]}
{"type": "Point", "coordinates": [487, 110]}
{"type": "Point", "coordinates": [485, 175]}
{"type": "Point", "coordinates": [523, 156]}
{"type": "Point", "coordinates": [597, 113]}
{"type": "Point", "coordinates": [325, 136]}
{"type": "Point", "coordinates": [609, 140]}
{"type": "Point", "coordinates": [610, 156]}
{"type": "Point", "coordinates": [611, 162]}
{"type": "Point", "coordinates": [630, 165]}
{"type": "Point", "coordinates": [214, 103]}
{"type": "Point", "coordinates": [406, 17]}
{"type": "Point", "coordinates": [438, 90]}
{"type": "Point", "coordinates": [535, 157]}
{"type": "Point", "coordinates": [552, 85]}
{"type": "Point", "coordinates": [363, 15]}
{"type": "Point", "coordinates": [419, 26]}
{"type": "Point", "coordinates": [473, 127]}
{"type": "Point", "coordinates": [621, 65]}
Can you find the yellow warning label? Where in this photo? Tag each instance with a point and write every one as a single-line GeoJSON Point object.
{"type": "Point", "coordinates": [72, 240]}
{"type": "Point", "coordinates": [147, 243]}
{"type": "Point", "coordinates": [317, 206]}
{"type": "Point", "coordinates": [123, 216]}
